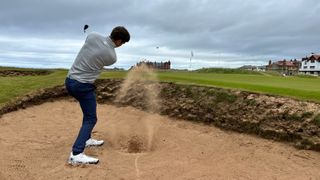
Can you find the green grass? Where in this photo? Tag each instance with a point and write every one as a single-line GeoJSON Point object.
{"type": "Point", "coordinates": [226, 71]}
{"type": "Point", "coordinates": [299, 87]}
{"type": "Point", "coordinates": [12, 87]}
{"type": "Point", "coordinates": [113, 74]}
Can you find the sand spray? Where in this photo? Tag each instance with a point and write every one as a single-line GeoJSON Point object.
{"type": "Point", "coordinates": [136, 137]}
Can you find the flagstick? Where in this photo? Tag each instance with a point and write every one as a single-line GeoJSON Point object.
{"type": "Point", "coordinates": [191, 55]}
{"type": "Point", "coordinates": [190, 63]}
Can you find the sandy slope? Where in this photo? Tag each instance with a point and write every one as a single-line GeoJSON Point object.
{"type": "Point", "coordinates": [35, 143]}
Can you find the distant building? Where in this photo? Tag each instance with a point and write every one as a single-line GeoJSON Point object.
{"type": "Point", "coordinates": [248, 67]}
{"type": "Point", "coordinates": [284, 67]}
{"type": "Point", "coordinates": [310, 65]}
{"type": "Point", "coordinates": [156, 65]}
{"type": "Point", "coordinates": [113, 69]}
{"type": "Point", "coordinates": [253, 68]}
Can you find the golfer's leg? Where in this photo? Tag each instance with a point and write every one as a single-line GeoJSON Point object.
{"type": "Point", "coordinates": [89, 107]}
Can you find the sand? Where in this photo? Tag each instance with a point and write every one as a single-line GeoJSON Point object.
{"type": "Point", "coordinates": [35, 144]}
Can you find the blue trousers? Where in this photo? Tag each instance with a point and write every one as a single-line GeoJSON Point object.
{"type": "Point", "coordinates": [85, 94]}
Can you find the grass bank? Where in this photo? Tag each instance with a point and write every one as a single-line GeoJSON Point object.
{"type": "Point", "coordinates": [300, 87]}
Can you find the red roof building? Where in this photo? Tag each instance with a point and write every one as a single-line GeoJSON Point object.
{"type": "Point", "coordinates": [284, 67]}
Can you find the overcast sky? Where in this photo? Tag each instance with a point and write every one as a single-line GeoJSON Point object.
{"type": "Point", "coordinates": [221, 33]}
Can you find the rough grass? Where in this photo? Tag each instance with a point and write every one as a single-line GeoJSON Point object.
{"type": "Point", "coordinates": [316, 120]}
{"type": "Point", "coordinates": [12, 87]}
{"type": "Point", "coordinates": [307, 114]}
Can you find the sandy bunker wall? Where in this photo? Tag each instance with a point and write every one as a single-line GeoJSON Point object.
{"type": "Point", "coordinates": [271, 117]}
{"type": "Point", "coordinates": [15, 73]}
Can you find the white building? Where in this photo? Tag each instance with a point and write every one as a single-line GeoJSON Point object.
{"type": "Point", "coordinates": [310, 65]}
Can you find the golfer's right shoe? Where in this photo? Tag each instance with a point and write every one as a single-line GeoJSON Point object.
{"type": "Point", "coordinates": [82, 159]}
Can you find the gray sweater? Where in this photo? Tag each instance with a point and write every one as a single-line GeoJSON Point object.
{"type": "Point", "coordinates": [97, 51]}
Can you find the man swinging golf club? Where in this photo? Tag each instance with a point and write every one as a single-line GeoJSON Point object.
{"type": "Point", "coordinates": [98, 51]}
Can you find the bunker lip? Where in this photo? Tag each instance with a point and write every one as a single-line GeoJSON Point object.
{"type": "Point", "coordinates": [15, 73]}
{"type": "Point", "coordinates": [271, 117]}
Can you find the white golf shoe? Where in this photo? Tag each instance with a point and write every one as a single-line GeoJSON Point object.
{"type": "Point", "coordinates": [94, 142]}
{"type": "Point", "coordinates": [82, 159]}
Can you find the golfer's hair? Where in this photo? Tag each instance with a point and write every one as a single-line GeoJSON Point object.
{"type": "Point", "coordinates": [120, 33]}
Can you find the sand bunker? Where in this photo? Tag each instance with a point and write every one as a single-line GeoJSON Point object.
{"type": "Point", "coordinates": [35, 144]}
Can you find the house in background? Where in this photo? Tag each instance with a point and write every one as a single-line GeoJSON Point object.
{"type": "Point", "coordinates": [284, 67]}
{"type": "Point", "coordinates": [310, 65]}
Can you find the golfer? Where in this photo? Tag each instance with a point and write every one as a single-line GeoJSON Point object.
{"type": "Point", "coordinates": [98, 51]}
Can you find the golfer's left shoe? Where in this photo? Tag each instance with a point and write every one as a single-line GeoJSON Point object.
{"type": "Point", "coordinates": [82, 159]}
{"type": "Point", "coordinates": [94, 142]}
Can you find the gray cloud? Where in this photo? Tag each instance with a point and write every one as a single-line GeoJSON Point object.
{"type": "Point", "coordinates": [225, 33]}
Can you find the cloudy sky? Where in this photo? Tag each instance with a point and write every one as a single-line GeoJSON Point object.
{"type": "Point", "coordinates": [220, 33]}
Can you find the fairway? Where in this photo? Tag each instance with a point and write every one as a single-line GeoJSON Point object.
{"type": "Point", "coordinates": [298, 87]}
